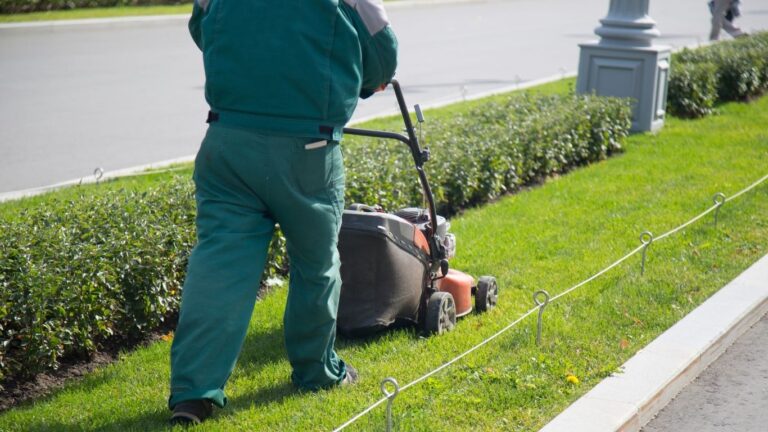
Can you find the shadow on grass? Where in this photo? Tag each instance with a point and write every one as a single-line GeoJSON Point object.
{"type": "Point", "coordinates": [270, 347]}
{"type": "Point", "coordinates": [261, 348]}
{"type": "Point", "coordinates": [410, 330]}
{"type": "Point", "coordinates": [260, 397]}
{"type": "Point", "coordinates": [254, 356]}
{"type": "Point", "coordinates": [145, 422]}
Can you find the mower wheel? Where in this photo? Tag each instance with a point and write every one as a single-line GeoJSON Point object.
{"type": "Point", "coordinates": [487, 293]}
{"type": "Point", "coordinates": [441, 313]}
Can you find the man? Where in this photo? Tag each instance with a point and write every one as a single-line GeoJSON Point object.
{"type": "Point", "coordinates": [282, 80]}
{"type": "Point", "coordinates": [723, 14]}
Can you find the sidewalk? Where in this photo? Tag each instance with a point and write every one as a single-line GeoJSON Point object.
{"type": "Point", "coordinates": [731, 395]}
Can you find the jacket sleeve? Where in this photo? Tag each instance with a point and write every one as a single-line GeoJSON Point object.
{"type": "Point", "coordinates": [377, 41]}
{"type": "Point", "coordinates": [199, 9]}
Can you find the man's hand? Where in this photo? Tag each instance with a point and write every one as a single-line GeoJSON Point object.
{"type": "Point", "coordinates": [366, 93]}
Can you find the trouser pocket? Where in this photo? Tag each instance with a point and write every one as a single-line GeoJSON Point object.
{"type": "Point", "coordinates": [320, 169]}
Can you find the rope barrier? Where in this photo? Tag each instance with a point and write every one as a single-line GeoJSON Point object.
{"type": "Point", "coordinates": [646, 238]}
{"type": "Point", "coordinates": [443, 366]}
{"type": "Point", "coordinates": [747, 189]}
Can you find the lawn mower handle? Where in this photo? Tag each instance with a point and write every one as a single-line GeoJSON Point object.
{"type": "Point", "coordinates": [419, 158]}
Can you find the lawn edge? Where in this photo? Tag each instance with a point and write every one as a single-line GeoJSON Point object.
{"type": "Point", "coordinates": [659, 371]}
{"type": "Point", "coordinates": [91, 21]}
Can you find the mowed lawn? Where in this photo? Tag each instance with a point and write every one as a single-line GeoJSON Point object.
{"type": "Point", "coordinates": [548, 237]}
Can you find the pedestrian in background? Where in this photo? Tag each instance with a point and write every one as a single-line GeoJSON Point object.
{"type": "Point", "coordinates": [282, 79]}
{"type": "Point", "coordinates": [723, 14]}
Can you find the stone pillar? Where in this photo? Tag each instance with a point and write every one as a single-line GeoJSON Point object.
{"type": "Point", "coordinates": [626, 63]}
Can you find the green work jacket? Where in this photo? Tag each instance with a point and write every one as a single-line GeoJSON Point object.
{"type": "Point", "coordinates": [292, 67]}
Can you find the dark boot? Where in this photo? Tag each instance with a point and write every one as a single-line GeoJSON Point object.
{"type": "Point", "coordinates": [191, 412]}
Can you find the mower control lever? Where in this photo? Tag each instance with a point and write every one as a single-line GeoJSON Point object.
{"type": "Point", "coordinates": [419, 114]}
{"type": "Point", "coordinates": [425, 155]}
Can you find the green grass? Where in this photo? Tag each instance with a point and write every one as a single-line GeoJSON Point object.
{"type": "Point", "coordinates": [548, 237]}
{"type": "Point", "coordinates": [107, 12]}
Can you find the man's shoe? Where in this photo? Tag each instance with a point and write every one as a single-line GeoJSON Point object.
{"type": "Point", "coordinates": [351, 376]}
{"type": "Point", "coordinates": [191, 412]}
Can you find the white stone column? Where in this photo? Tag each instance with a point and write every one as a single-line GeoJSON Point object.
{"type": "Point", "coordinates": [626, 63]}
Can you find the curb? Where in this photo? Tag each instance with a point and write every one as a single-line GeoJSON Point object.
{"type": "Point", "coordinates": [94, 178]}
{"type": "Point", "coordinates": [90, 21]}
{"type": "Point", "coordinates": [658, 372]}
{"type": "Point", "coordinates": [174, 17]}
{"type": "Point", "coordinates": [453, 100]}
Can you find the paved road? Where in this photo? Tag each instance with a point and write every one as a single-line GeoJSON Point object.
{"type": "Point", "coordinates": [119, 95]}
{"type": "Point", "coordinates": [730, 396]}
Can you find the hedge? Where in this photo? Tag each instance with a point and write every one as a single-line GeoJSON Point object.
{"type": "Point", "coordinates": [23, 6]}
{"type": "Point", "coordinates": [77, 275]}
{"type": "Point", "coordinates": [735, 70]}
{"type": "Point", "coordinates": [493, 149]}
{"type": "Point", "coordinates": [692, 89]}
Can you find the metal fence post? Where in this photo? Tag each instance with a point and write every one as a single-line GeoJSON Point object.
{"type": "Point", "coordinates": [390, 398]}
{"type": "Point", "coordinates": [647, 238]}
{"type": "Point", "coordinates": [541, 304]}
{"type": "Point", "coordinates": [719, 200]}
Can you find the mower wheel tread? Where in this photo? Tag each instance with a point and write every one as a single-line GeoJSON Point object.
{"type": "Point", "coordinates": [441, 313]}
{"type": "Point", "coordinates": [487, 294]}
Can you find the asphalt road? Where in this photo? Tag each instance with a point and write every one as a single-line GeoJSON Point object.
{"type": "Point", "coordinates": [730, 396]}
{"type": "Point", "coordinates": [118, 95]}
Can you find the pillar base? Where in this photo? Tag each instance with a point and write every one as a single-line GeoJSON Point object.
{"type": "Point", "coordinates": [640, 73]}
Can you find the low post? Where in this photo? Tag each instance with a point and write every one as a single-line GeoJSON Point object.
{"type": "Point", "coordinates": [719, 200]}
{"type": "Point", "coordinates": [541, 304]}
{"type": "Point", "coordinates": [626, 63]}
{"type": "Point", "coordinates": [390, 395]}
{"type": "Point", "coordinates": [646, 238]}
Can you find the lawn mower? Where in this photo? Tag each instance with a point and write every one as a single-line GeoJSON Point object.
{"type": "Point", "coordinates": [394, 266]}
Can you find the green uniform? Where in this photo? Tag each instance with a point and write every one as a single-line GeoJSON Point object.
{"type": "Point", "coordinates": [282, 79]}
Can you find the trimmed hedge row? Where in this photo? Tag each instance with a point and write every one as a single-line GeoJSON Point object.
{"type": "Point", "coordinates": [489, 151]}
{"type": "Point", "coordinates": [75, 273]}
{"type": "Point", "coordinates": [24, 6]}
{"type": "Point", "coordinates": [736, 70]}
{"type": "Point", "coordinates": [103, 269]}
{"type": "Point", "coordinates": [80, 274]}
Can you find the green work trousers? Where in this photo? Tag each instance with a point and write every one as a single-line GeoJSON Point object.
{"type": "Point", "coordinates": [245, 183]}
